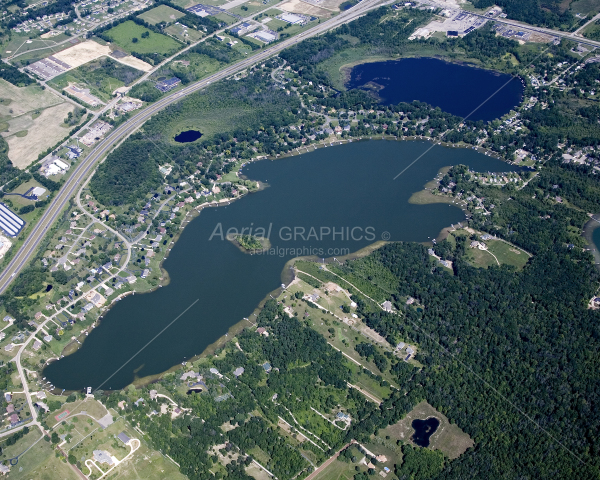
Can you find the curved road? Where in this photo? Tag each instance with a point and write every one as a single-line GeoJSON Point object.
{"type": "Point", "coordinates": [87, 165]}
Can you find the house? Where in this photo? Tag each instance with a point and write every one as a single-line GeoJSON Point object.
{"type": "Point", "coordinates": [8, 318]}
{"type": "Point", "coordinates": [387, 306]}
{"type": "Point", "coordinates": [214, 371]}
{"type": "Point", "coordinates": [7, 396]}
{"type": "Point", "coordinates": [343, 416]}
{"type": "Point", "coordinates": [102, 456]}
{"type": "Point", "coordinates": [87, 307]}
{"type": "Point", "coordinates": [4, 469]}
{"type": "Point", "coordinates": [262, 331]}
{"type": "Point", "coordinates": [410, 300]}
{"type": "Point", "coordinates": [138, 401]}
{"type": "Point", "coordinates": [190, 374]}
{"type": "Point", "coordinates": [145, 273]}
{"type": "Point", "coordinates": [37, 345]}
{"type": "Point", "coordinates": [267, 367]}
{"type": "Point", "coordinates": [124, 438]}
{"type": "Point", "coordinates": [48, 338]}
{"type": "Point", "coordinates": [10, 408]}
{"type": "Point", "coordinates": [167, 85]}
{"type": "Point", "coordinates": [410, 350]}
{"type": "Point", "coordinates": [14, 419]}
{"type": "Point", "coordinates": [9, 347]}
{"type": "Point", "coordinates": [400, 346]}
{"type": "Point", "coordinates": [238, 371]}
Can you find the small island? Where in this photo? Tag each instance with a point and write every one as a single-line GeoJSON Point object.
{"type": "Point", "coordinates": [249, 243]}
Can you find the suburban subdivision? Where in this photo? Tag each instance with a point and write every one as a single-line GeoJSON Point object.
{"type": "Point", "coordinates": [299, 239]}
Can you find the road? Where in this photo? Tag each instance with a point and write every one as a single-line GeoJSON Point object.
{"type": "Point", "coordinates": [87, 165]}
{"type": "Point", "coordinates": [519, 25]}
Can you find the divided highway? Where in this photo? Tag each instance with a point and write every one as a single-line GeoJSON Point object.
{"type": "Point", "coordinates": [87, 166]}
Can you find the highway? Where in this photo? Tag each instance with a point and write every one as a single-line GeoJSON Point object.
{"type": "Point", "coordinates": [87, 166]}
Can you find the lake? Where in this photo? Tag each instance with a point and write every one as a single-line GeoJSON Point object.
{"type": "Point", "coordinates": [424, 429]}
{"type": "Point", "coordinates": [333, 198]}
{"type": "Point", "coordinates": [457, 89]}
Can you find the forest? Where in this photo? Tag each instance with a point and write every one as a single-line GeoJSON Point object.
{"type": "Point", "coordinates": [13, 75]}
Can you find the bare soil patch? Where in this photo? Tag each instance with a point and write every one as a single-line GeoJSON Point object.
{"type": "Point", "coordinates": [82, 53]}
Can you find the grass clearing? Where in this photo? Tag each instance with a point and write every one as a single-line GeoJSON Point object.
{"type": "Point", "coordinates": [162, 13]}
{"type": "Point", "coordinates": [184, 34]}
{"type": "Point", "coordinates": [448, 438]}
{"type": "Point", "coordinates": [124, 34]}
{"type": "Point", "coordinates": [41, 463]}
{"type": "Point", "coordinates": [17, 101]}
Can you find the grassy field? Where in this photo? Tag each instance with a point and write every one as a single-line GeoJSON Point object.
{"type": "Point", "coordinates": [448, 438]}
{"type": "Point", "coordinates": [124, 34]}
{"type": "Point", "coordinates": [337, 470]}
{"type": "Point", "coordinates": [40, 463]}
{"type": "Point", "coordinates": [162, 13]}
{"type": "Point", "coordinates": [251, 7]}
{"type": "Point", "coordinates": [497, 253]}
{"type": "Point", "coordinates": [190, 34]}
{"type": "Point", "coordinates": [585, 7]}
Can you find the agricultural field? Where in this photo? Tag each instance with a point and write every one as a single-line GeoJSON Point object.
{"type": "Point", "coordinates": [162, 13]}
{"type": "Point", "coordinates": [325, 9]}
{"type": "Point", "coordinates": [124, 34]}
{"type": "Point", "coordinates": [448, 438]}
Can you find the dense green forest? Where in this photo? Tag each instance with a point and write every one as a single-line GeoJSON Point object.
{"type": "Point", "coordinates": [127, 174]}
{"type": "Point", "coordinates": [13, 75]}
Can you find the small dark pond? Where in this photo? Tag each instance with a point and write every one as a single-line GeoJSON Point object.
{"type": "Point", "coordinates": [48, 288]}
{"type": "Point", "coordinates": [424, 429]}
{"type": "Point", "coordinates": [188, 136]}
{"type": "Point", "coordinates": [458, 89]}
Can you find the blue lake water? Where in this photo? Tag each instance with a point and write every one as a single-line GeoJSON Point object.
{"type": "Point", "coordinates": [457, 89]}
{"type": "Point", "coordinates": [348, 189]}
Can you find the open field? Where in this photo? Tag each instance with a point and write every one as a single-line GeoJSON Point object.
{"type": "Point", "coordinates": [448, 438]}
{"type": "Point", "coordinates": [250, 7]}
{"type": "Point", "coordinates": [190, 3]}
{"type": "Point", "coordinates": [85, 409]}
{"type": "Point", "coordinates": [82, 53]}
{"type": "Point", "coordinates": [24, 99]}
{"type": "Point", "coordinates": [20, 43]}
{"type": "Point", "coordinates": [297, 6]}
{"type": "Point", "coordinates": [178, 31]}
{"type": "Point", "coordinates": [162, 13]}
{"type": "Point", "coordinates": [43, 132]}
{"type": "Point", "coordinates": [40, 463]}
{"type": "Point", "coordinates": [124, 34]}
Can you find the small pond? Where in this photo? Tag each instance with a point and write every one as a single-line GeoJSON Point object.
{"type": "Point", "coordinates": [188, 136]}
{"type": "Point", "coordinates": [424, 429]}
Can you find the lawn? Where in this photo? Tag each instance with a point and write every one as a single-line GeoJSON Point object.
{"type": "Point", "coordinates": [448, 438]}
{"type": "Point", "coordinates": [338, 470]}
{"type": "Point", "coordinates": [125, 33]}
{"type": "Point", "coordinates": [162, 13]}
{"type": "Point", "coordinates": [498, 252]}
{"type": "Point", "coordinates": [585, 7]}
{"type": "Point", "coordinates": [248, 8]}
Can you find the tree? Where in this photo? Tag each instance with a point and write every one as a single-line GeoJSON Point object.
{"type": "Point", "coordinates": [55, 438]}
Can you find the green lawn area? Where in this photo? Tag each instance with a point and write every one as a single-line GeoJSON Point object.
{"type": "Point", "coordinates": [498, 252]}
{"type": "Point", "coordinates": [589, 7]}
{"type": "Point", "coordinates": [124, 34]}
{"type": "Point", "coordinates": [162, 13]}
{"type": "Point", "coordinates": [251, 7]}
{"type": "Point", "coordinates": [223, 17]}
{"type": "Point", "coordinates": [338, 470]}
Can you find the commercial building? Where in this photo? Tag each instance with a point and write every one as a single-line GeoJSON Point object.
{"type": "Point", "coordinates": [10, 222]}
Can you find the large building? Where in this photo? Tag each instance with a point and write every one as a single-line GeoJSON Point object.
{"type": "Point", "coordinates": [10, 222]}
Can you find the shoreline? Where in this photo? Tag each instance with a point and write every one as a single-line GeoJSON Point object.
{"type": "Point", "coordinates": [287, 275]}
{"type": "Point", "coordinates": [588, 233]}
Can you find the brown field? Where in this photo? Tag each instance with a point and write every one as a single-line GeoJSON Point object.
{"type": "Point", "coordinates": [82, 53]}
{"type": "Point", "coordinates": [43, 132]}
{"type": "Point", "coordinates": [448, 438]}
{"type": "Point", "coordinates": [134, 62]}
